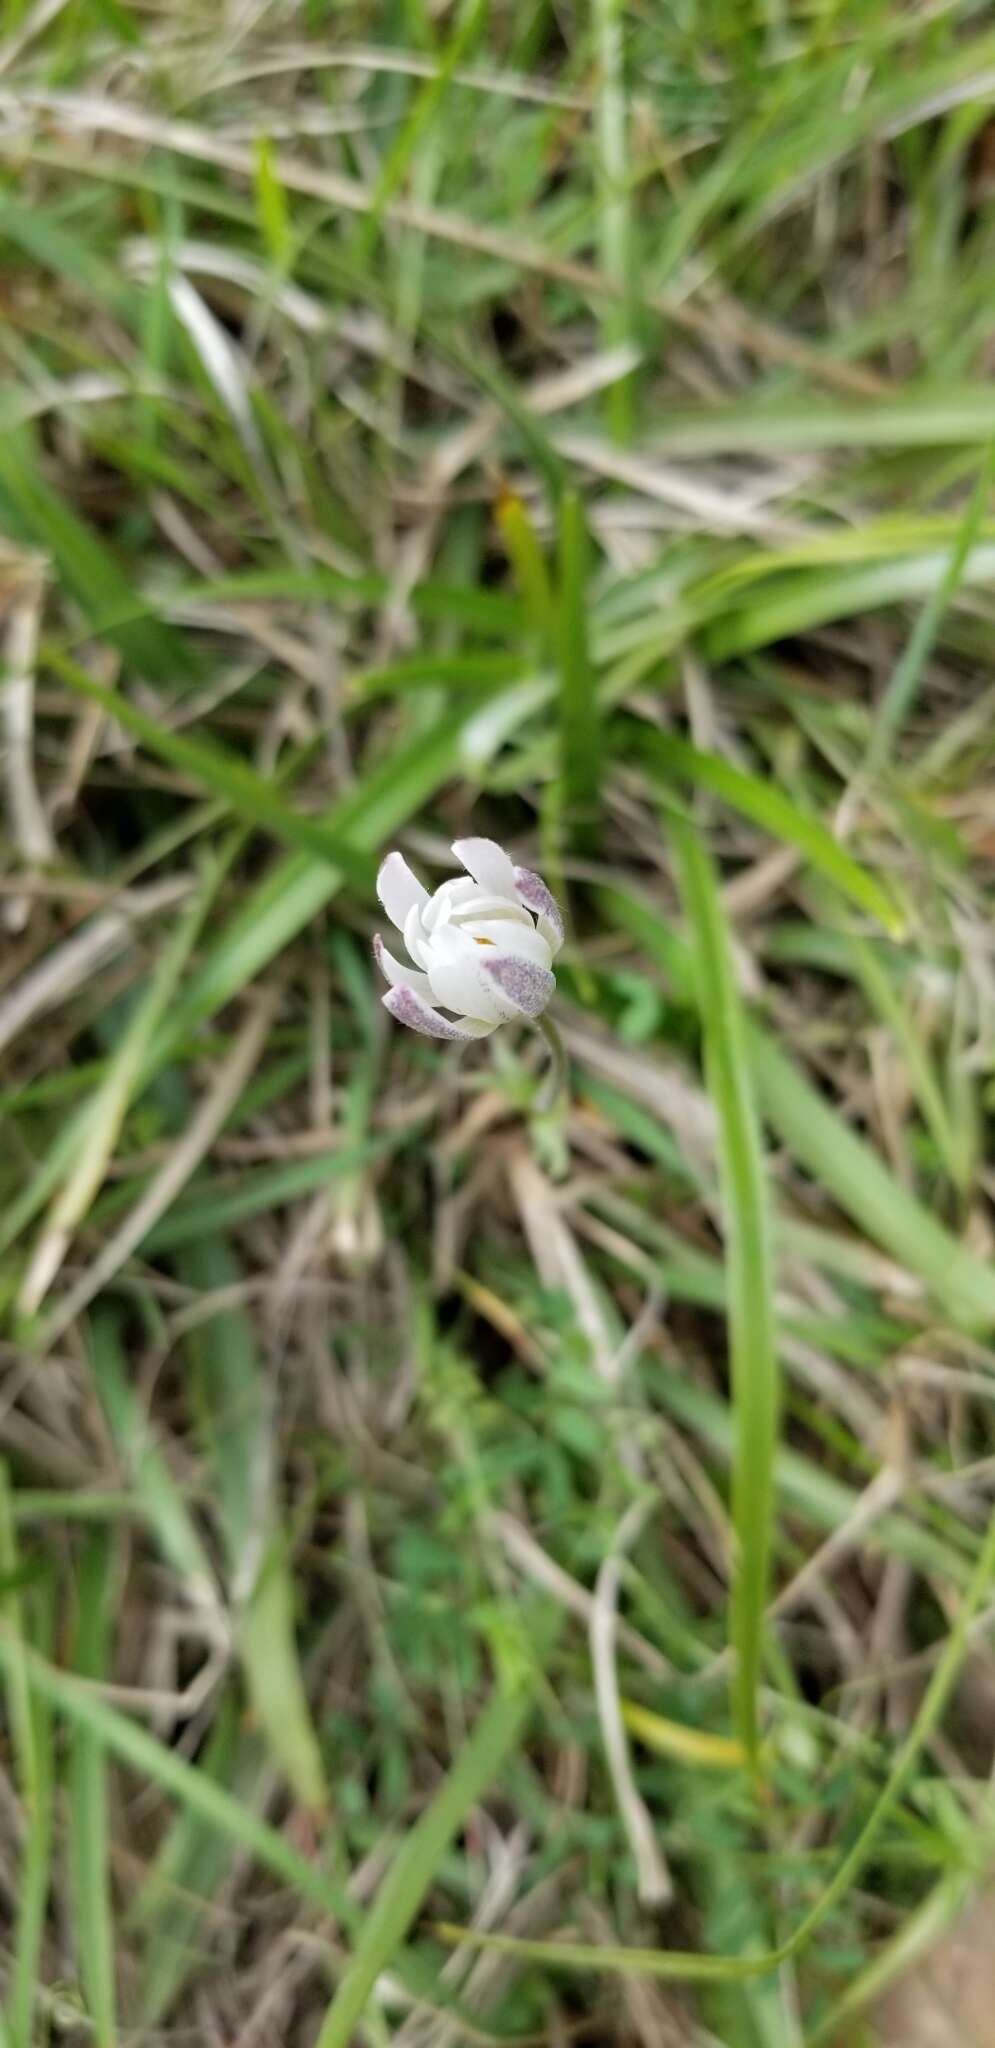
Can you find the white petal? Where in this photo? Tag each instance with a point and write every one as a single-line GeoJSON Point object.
{"type": "Point", "coordinates": [448, 898]}
{"type": "Point", "coordinates": [523, 987]}
{"type": "Point", "coordinates": [399, 890]}
{"type": "Point", "coordinates": [489, 865]}
{"type": "Point", "coordinates": [454, 970]}
{"type": "Point", "coordinates": [418, 1016]}
{"type": "Point", "coordinates": [520, 940]}
{"type": "Point", "coordinates": [414, 934]}
{"type": "Point", "coordinates": [533, 892]}
{"type": "Point", "coordinates": [398, 974]}
{"type": "Point", "coordinates": [478, 904]}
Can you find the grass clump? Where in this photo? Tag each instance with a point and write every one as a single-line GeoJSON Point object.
{"type": "Point", "coordinates": [424, 1511]}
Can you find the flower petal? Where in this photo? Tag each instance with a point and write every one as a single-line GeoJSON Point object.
{"type": "Point", "coordinates": [490, 866]}
{"type": "Point", "coordinates": [447, 898]}
{"type": "Point", "coordinates": [533, 892]}
{"type": "Point", "coordinates": [516, 938]}
{"type": "Point", "coordinates": [409, 1009]}
{"type": "Point", "coordinates": [399, 890]}
{"type": "Point", "coordinates": [398, 974]}
{"type": "Point", "coordinates": [454, 969]}
{"type": "Point", "coordinates": [520, 984]}
{"type": "Point", "coordinates": [478, 905]}
{"type": "Point", "coordinates": [413, 933]}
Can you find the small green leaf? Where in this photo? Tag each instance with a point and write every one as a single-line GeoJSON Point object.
{"type": "Point", "coordinates": [271, 206]}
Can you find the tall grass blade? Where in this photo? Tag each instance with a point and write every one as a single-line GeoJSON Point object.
{"type": "Point", "coordinates": [579, 743]}
{"type": "Point", "coordinates": [749, 1261]}
{"type": "Point", "coordinates": [88, 1802]}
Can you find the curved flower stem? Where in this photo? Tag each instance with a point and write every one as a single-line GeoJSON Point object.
{"type": "Point", "coordinates": [554, 1091]}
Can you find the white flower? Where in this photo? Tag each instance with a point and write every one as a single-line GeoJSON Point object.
{"type": "Point", "coordinates": [482, 945]}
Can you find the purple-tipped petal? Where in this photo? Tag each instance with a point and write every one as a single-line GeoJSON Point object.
{"type": "Point", "coordinates": [492, 869]}
{"type": "Point", "coordinates": [399, 890]}
{"type": "Point", "coordinates": [398, 974]}
{"type": "Point", "coordinates": [409, 1009]}
{"type": "Point", "coordinates": [535, 895]}
{"type": "Point", "coordinates": [521, 984]}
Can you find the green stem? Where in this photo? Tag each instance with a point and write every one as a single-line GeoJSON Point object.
{"type": "Point", "coordinates": [555, 1087]}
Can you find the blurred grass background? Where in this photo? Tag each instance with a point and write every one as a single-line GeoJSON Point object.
{"type": "Point", "coordinates": [421, 1510]}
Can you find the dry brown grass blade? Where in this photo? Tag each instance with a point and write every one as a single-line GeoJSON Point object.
{"type": "Point", "coordinates": [654, 1883]}
{"type": "Point", "coordinates": [534, 1562]}
{"type": "Point", "coordinates": [557, 1258]}
{"type": "Point", "coordinates": [68, 968]}
{"type": "Point", "coordinates": [21, 597]}
{"type": "Point", "coordinates": [34, 24]}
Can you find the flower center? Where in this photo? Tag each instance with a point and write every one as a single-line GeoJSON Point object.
{"type": "Point", "coordinates": [483, 942]}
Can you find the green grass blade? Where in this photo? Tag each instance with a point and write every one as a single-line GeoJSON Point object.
{"type": "Point", "coordinates": [579, 741]}
{"type": "Point", "coordinates": [155, 1764]}
{"type": "Point", "coordinates": [272, 208]}
{"type": "Point", "coordinates": [417, 1861]}
{"type": "Point", "coordinates": [156, 1494]}
{"type": "Point", "coordinates": [33, 1892]}
{"type": "Point", "coordinates": [923, 417]}
{"type": "Point", "coordinates": [237, 1425]}
{"type": "Point", "coordinates": [481, 613]}
{"type": "Point", "coordinates": [900, 1953]}
{"type": "Point", "coordinates": [462, 672]}
{"type": "Point", "coordinates": [524, 551]}
{"type": "Point", "coordinates": [749, 1262]}
{"type": "Point", "coordinates": [851, 1171]}
{"type": "Point", "coordinates": [19, 1716]}
{"type": "Point", "coordinates": [665, 757]}
{"type": "Point", "coordinates": [89, 1834]}
{"type": "Point", "coordinates": [213, 1208]}
{"type": "Point", "coordinates": [33, 511]}
{"type": "Point", "coordinates": [791, 604]}
{"type": "Point", "coordinates": [615, 221]}
{"type": "Point", "coordinates": [470, 19]}
{"type": "Point", "coordinates": [838, 1160]}
{"type": "Point", "coordinates": [886, 999]}
{"type": "Point", "coordinates": [41, 1504]}
{"type": "Point", "coordinates": [31, 1730]}
{"type": "Point", "coordinates": [537, 445]}
{"type": "Point", "coordinates": [187, 1873]}
{"type": "Point", "coordinates": [42, 1183]}
{"type": "Point", "coordinates": [252, 796]}
{"type": "Point", "coordinates": [904, 684]}
{"type": "Point", "coordinates": [107, 1108]}
{"type": "Point", "coordinates": [267, 1641]}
